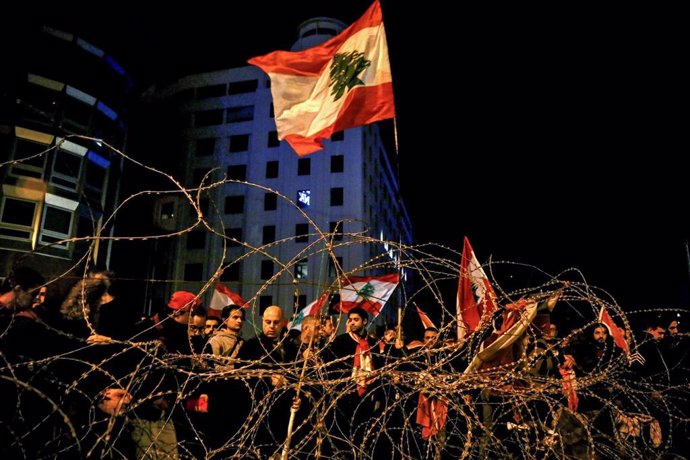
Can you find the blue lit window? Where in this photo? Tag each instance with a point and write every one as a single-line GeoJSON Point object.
{"type": "Point", "coordinates": [304, 198]}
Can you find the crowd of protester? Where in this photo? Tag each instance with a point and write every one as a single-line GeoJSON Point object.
{"type": "Point", "coordinates": [83, 375]}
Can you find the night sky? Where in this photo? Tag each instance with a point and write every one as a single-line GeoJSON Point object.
{"type": "Point", "coordinates": [552, 136]}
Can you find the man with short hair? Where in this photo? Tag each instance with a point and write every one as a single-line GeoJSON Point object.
{"type": "Point", "coordinates": [227, 341]}
{"type": "Point", "coordinates": [269, 352]}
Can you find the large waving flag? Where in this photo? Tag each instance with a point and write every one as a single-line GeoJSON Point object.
{"type": "Point", "coordinates": [342, 83]}
{"type": "Point", "coordinates": [222, 297]}
{"type": "Point", "coordinates": [367, 292]}
{"type": "Point", "coordinates": [313, 309]}
{"type": "Point", "coordinates": [476, 298]}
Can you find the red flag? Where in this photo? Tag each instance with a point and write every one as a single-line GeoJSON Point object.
{"type": "Point", "coordinates": [476, 298]}
{"type": "Point", "coordinates": [426, 321]}
{"type": "Point", "coordinates": [342, 83]}
{"type": "Point", "coordinates": [222, 297]}
{"type": "Point", "coordinates": [431, 415]}
{"type": "Point", "coordinates": [367, 292]}
{"type": "Point", "coordinates": [313, 309]}
{"type": "Point", "coordinates": [616, 332]}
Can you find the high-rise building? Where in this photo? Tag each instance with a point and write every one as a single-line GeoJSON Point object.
{"type": "Point", "coordinates": [264, 237]}
{"type": "Point", "coordinates": [56, 186]}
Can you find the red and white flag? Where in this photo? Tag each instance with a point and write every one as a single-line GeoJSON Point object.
{"type": "Point", "coordinates": [367, 292]}
{"type": "Point", "coordinates": [617, 333]}
{"type": "Point", "coordinates": [476, 298]}
{"type": "Point", "coordinates": [342, 83]}
{"type": "Point", "coordinates": [313, 309]}
{"type": "Point", "coordinates": [426, 321]}
{"type": "Point", "coordinates": [222, 297]}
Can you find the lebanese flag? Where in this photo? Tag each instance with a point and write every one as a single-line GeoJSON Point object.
{"type": "Point", "coordinates": [367, 292]}
{"type": "Point", "coordinates": [616, 332]}
{"type": "Point", "coordinates": [426, 321]}
{"type": "Point", "coordinates": [496, 350]}
{"type": "Point", "coordinates": [431, 415]}
{"type": "Point", "coordinates": [476, 298]}
{"type": "Point", "coordinates": [340, 84]}
{"type": "Point", "coordinates": [313, 309]}
{"type": "Point", "coordinates": [222, 297]}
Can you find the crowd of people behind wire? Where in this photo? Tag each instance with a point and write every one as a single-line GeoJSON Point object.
{"type": "Point", "coordinates": [84, 375]}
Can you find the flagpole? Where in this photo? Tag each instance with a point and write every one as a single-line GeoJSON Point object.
{"type": "Point", "coordinates": [298, 389]}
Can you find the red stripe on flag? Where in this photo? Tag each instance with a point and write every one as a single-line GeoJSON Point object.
{"type": "Point", "coordinates": [311, 62]}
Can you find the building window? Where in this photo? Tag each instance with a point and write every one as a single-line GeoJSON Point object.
{"type": "Point", "coordinates": [66, 169]}
{"type": "Point", "coordinates": [336, 196]}
{"type": "Point", "coordinates": [241, 87]}
{"type": "Point", "coordinates": [193, 272]}
{"type": "Point", "coordinates": [339, 136]}
{"type": "Point", "coordinates": [239, 143]}
{"type": "Point", "coordinates": [233, 237]}
{"type": "Point", "coordinates": [198, 175]}
{"type": "Point", "coordinates": [265, 301]}
{"type": "Point", "coordinates": [31, 162]}
{"type": "Point", "coordinates": [304, 198]}
{"type": "Point", "coordinates": [17, 218]}
{"type": "Point", "coordinates": [206, 92]}
{"type": "Point", "coordinates": [301, 233]}
{"type": "Point", "coordinates": [269, 234]}
{"type": "Point", "coordinates": [273, 139]}
{"type": "Point", "coordinates": [196, 239]}
{"type": "Point", "coordinates": [337, 163]}
{"type": "Point", "coordinates": [270, 201]}
{"type": "Point", "coordinates": [96, 172]}
{"type": "Point", "coordinates": [239, 114]}
{"type": "Point", "coordinates": [304, 166]}
{"type": "Point", "coordinates": [302, 269]}
{"type": "Point", "coordinates": [237, 172]}
{"type": "Point", "coordinates": [203, 207]}
{"type": "Point", "coordinates": [56, 226]}
{"type": "Point", "coordinates": [208, 118]}
{"type": "Point", "coordinates": [234, 204]}
{"type": "Point", "coordinates": [266, 269]}
{"type": "Point", "coordinates": [205, 147]}
{"type": "Point", "coordinates": [76, 115]}
{"type": "Point", "coordinates": [300, 302]}
{"type": "Point", "coordinates": [167, 211]}
{"type": "Point", "coordinates": [231, 273]}
{"type": "Point", "coordinates": [332, 271]}
{"type": "Point", "coordinates": [272, 169]}
{"type": "Point", "coordinates": [337, 229]}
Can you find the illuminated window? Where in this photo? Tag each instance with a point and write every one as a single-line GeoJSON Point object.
{"type": "Point", "coordinates": [302, 269]}
{"type": "Point", "coordinates": [303, 198]}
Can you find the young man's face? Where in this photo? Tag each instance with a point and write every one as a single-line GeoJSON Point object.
{"type": "Point", "coordinates": [355, 323]}
{"type": "Point", "coordinates": [430, 338]}
{"type": "Point", "coordinates": [599, 335]}
{"type": "Point", "coordinates": [211, 326]}
{"type": "Point", "coordinates": [235, 321]}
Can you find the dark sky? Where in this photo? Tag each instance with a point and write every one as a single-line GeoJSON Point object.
{"type": "Point", "coordinates": [550, 136]}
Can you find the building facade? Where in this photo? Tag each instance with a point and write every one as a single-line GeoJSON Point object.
{"type": "Point", "coordinates": [279, 227]}
{"type": "Point", "coordinates": [56, 186]}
